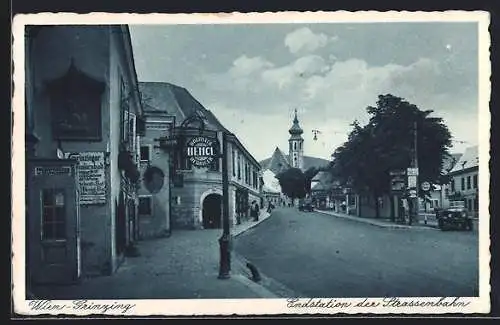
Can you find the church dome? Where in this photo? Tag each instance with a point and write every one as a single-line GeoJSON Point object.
{"type": "Point", "coordinates": [296, 129]}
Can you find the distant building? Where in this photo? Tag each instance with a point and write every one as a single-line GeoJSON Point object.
{"type": "Point", "coordinates": [271, 189]}
{"type": "Point", "coordinates": [82, 107]}
{"type": "Point", "coordinates": [280, 162]}
{"type": "Point", "coordinates": [327, 192]}
{"type": "Point", "coordinates": [196, 192]}
{"type": "Point", "coordinates": [464, 180]}
{"type": "Point", "coordinates": [438, 195]}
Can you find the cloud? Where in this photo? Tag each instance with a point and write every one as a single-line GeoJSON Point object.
{"type": "Point", "coordinates": [329, 95]}
{"type": "Point", "coordinates": [303, 40]}
{"type": "Point", "coordinates": [244, 66]}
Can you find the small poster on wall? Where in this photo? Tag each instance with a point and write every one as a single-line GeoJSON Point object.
{"type": "Point", "coordinates": [92, 176]}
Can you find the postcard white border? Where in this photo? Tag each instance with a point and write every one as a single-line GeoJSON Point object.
{"type": "Point", "coordinates": [177, 307]}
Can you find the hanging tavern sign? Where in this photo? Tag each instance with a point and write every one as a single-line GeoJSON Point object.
{"type": "Point", "coordinates": [201, 151]}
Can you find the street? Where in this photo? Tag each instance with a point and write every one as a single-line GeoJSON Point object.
{"type": "Point", "coordinates": [317, 255]}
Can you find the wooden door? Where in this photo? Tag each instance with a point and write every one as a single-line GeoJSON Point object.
{"type": "Point", "coordinates": [53, 236]}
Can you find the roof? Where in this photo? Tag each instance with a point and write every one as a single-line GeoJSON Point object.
{"type": "Point", "coordinates": [178, 101]}
{"type": "Point", "coordinates": [325, 181]}
{"type": "Point", "coordinates": [469, 159]}
{"type": "Point", "coordinates": [279, 161]}
{"type": "Point", "coordinates": [296, 129]}
{"type": "Point", "coordinates": [449, 161]}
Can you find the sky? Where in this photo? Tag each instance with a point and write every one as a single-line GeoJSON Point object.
{"type": "Point", "coordinates": [253, 76]}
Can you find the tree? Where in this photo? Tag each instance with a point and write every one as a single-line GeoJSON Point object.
{"type": "Point", "coordinates": [386, 143]}
{"type": "Point", "coordinates": [292, 182]}
{"type": "Point", "coordinates": [308, 176]}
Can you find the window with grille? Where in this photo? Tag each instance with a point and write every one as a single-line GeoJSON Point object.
{"type": "Point", "coordinates": [53, 214]}
{"type": "Point", "coordinates": [145, 206]}
{"type": "Point", "coordinates": [145, 153]}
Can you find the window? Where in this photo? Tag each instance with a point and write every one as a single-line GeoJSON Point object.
{"type": "Point", "coordinates": [145, 206]}
{"type": "Point", "coordinates": [145, 154]}
{"type": "Point", "coordinates": [474, 181]}
{"type": "Point", "coordinates": [470, 205]}
{"type": "Point", "coordinates": [463, 183]}
{"type": "Point", "coordinates": [53, 215]}
{"type": "Point", "coordinates": [239, 165]}
{"type": "Point", "coordinates": [476, 205]}
{"type": "Point", "coordinates": [468, 182]}
{"type": "Point", "coordinates": [436, 204]}
{"type": "Point", "coordinates": [233, 156]}
{"type": "Point", "coordinates": [452, 185]}
{"type": "Point", "coordinates": [246, 173]}
{"type": "Point", "coordinates": [214, 166]}
{"type": "Point", "coordinates": [295, 146]}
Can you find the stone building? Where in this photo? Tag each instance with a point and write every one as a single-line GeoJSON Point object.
{"type": "Point", "coordinates": [82, 105]}
{"type": "Point", "coordinates": [155, 166]}
{"type": "Point", "coordinates": [196, 192]}
{"type": "Point", "coordinates": [279, 162]}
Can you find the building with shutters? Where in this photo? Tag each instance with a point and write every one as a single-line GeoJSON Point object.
{"type": "Point", "coordinates": [464, 183]}
{"type": "Point", "coordinates": [82, 110]}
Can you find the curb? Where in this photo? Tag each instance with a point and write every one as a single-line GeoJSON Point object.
{"type": "Point", "coordinates": [267, 287]}
{"type": "Point", "coordinates": [261, 219]}
{"type": "Point", "coordinates": [388, 226]}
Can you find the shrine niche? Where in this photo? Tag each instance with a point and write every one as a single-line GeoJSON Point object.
{"type": "Point", "coordinates": [75, 103]}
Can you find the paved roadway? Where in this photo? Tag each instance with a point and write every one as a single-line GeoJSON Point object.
{"type": "Point", "coordinates": [318, 255]}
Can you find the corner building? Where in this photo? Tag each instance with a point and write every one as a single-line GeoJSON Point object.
{"type": "Point", "coordinates": [196, 192]}
{"type": "Point", "coordinates": [82, 106]}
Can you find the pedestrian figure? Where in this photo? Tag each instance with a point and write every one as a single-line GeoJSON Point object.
{"type": "Point", "coordinates": [254, 210]}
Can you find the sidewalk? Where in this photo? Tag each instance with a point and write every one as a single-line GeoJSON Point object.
{"type": "Point", "coordinates": [384, 223]}
{"type": "Point", "coordinates": [182, 266]}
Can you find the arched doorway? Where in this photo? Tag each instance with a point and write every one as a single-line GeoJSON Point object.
{"type": "Point", "coordinates": [212, 211]}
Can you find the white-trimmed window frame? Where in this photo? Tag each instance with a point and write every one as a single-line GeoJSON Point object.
{"type": "Point", "coordinates": [151, 206]}
{"type": "Point", "coordinates": [150, 151]}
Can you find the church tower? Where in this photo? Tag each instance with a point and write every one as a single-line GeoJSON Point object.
{"type": "Point", "coordinates": [296, 144]}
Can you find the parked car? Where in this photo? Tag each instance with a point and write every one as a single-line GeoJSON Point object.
{"type": "Point", "coordinates": [455, 217]}
{"type": "Point", "coordinates": [306, 205]}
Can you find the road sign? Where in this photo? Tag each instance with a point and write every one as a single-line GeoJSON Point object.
{"type": "Point", "coordinates": [425, 186]}
{"type": "Point", "coordinates": [412, 171]}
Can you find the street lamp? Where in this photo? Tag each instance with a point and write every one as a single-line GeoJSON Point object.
{"type": "Point", "coordinates": [225, 239]}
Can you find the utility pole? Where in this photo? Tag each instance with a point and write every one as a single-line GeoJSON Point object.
{"type": "Point", "coordinates": [414, 212]}
{"type": "Point", "coordinates": [225, 240]}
